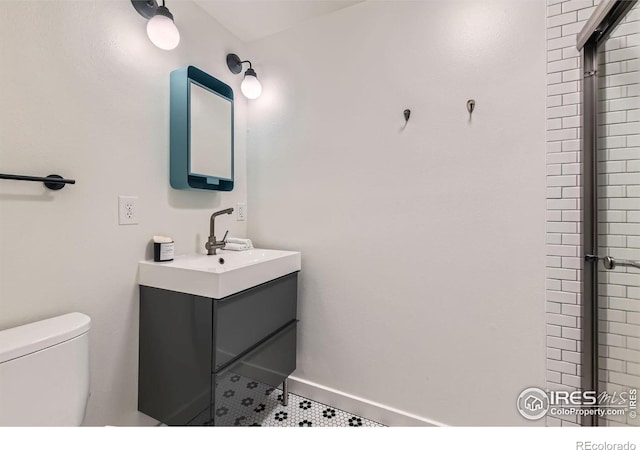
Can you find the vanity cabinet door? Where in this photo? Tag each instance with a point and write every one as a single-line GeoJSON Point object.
{"type": "Point", "coordinates": [245, 319]}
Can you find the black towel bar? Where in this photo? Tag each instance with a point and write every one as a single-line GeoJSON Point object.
{"type": "Point", "coordinates": [53, 182]}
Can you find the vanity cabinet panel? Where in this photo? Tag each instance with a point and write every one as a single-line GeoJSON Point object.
{"type": "Point", "coordinates": [190, 346]}
{"type": "Point", "coordinates": [175, 344]}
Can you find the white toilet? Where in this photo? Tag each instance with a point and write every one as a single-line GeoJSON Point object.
{"type": "Point", "coordinates": [44, 372]}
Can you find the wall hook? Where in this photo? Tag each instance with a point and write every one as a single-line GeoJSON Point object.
{"type": "Point", "coordinates": [407, 114]}
{"type": "Point", "coordinates": [471, 105]}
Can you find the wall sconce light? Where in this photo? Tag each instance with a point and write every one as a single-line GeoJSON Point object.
{"type": "Point", "coordinates": [250, 87]}
{"type": "Point", "coordinates": [161, 29]}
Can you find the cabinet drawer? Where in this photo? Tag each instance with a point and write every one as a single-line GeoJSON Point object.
{"type": "Point", "coordinates": [243, 320]}
{"type": "Point", "coordinates": [243, 384]}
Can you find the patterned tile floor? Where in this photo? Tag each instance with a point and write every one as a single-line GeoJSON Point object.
{"type": "Point", "coordinates": [248, 403]}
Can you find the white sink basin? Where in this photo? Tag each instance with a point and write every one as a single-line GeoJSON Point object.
{"type": "Point", "coordinates": [218, 276]}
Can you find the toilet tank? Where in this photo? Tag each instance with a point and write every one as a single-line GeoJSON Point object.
{"type": "Point", "coordinates": [44, 372]}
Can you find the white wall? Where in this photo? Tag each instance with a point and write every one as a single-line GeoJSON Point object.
{"type": "Point", "coordinates": [422, 285]}
{"type": "Point", "coordinates": [85, 94]}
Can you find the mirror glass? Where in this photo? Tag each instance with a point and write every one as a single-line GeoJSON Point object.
{"type": "Point", "coordinates": [210, 133]}
{"type": "Point", "coordinates": [201, 131]}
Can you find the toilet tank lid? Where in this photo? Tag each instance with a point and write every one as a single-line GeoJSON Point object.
{"type": "Point", "coordinates": [36, 336]}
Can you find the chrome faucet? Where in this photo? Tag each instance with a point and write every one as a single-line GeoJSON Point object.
{"type": "Point", "coordinates": [212, 244]}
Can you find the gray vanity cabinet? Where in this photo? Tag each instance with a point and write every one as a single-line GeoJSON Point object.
{"type": "Point", "coordinates": [192, 350]}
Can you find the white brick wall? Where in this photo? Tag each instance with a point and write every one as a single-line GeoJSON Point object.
{"type": "Point", "coordinates": [565, 19]}
{"type": "Point", "coordinates": [619, 178]}
{"type": "Point", "coordinates": [619, 195]}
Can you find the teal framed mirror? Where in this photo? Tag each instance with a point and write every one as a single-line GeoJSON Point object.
{"type": "Point", "coordinates": [201, 128]}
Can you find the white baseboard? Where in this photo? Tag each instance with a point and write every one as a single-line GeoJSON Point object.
{"type": "Point", "coordinates": [362, 407]}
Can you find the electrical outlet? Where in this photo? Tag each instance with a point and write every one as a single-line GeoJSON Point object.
{"type": "Point", "coordinates": [241, 211]}
{"type": "Point", "coordinates": [127, 210]}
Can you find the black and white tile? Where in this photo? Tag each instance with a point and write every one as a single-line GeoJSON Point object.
{"type": "Point", "coordinates": [245, 402]}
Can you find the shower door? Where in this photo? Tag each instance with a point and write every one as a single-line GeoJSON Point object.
{"type": "Point", "coordinates": [616, 281]}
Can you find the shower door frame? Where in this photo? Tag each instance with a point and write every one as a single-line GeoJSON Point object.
{"type": "Point", "coordinates": [597, 29]}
